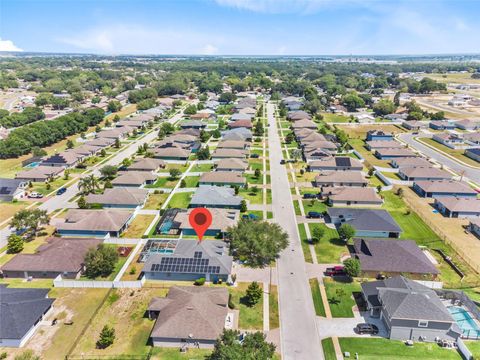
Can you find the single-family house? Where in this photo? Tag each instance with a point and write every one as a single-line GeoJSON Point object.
{"type": "Point", "coordinates": [383, 144]}
{"type": "Point", "coordinates": [467, 124]}
{"type": "Point", "coordinates": [146, 164]}
{"type": "Point", "coordinates": [304, 124]}
{"type": "Point", "coordinates": [215, 197]}
{"type": "Point", "coordinates": [222, 219]}
{"type": "Point", "coordinates": [21, 313]}
{"type": "Point", "coordinates": [374, 135]}
{"type": "Point", "coordinates": [354, 196]}
{"type": "Point", "coordinates": [240, 133]}
{"type": "Point", "coordinates": [233, 144]}
{"type": "Point", "coordinates": [472, 138]}
{"type": "Point", "coordinates": [414, 125]}
{"type": "Point", "coordinates": [455, 207]}
{"type": "Point", "coordinates": [64, 159]}
{"type": "Point", "coordinates": [473, 154]}
{"type": "Point", "coordinates": [392, 257]}
{"type": "Point", "coordinates": [12, 189]}
{"type": "Point", "coordinates": [420, 173]}
{"type": "Point", "coordinates": [366, 222]}
{"type": "Point", "coordinates": [410, 162]}
{"type": "Point", "coordinates": [223, 153]}
{"type": "Point", "coordinates": [171, 153]}
{"type": "Point", "coordinates": [441, 125]}
{"type": "Point", "coordinates": [58, 256]}
{"type": "Point", "coordinates": [121, 197]}
{"type": "Point", "coordinates": [340, 178]}
{"type": "Point", "coordinates": [387, 154]}
{"type": "Point", "coordinates": [409, 310]}
{"type": "Point", "coordinates": [364, 117]}
{"type": "Point", "coordinates": [93, 223]}
{"type": "Point", "coordinates": [222, 178]}
{"type": "Point", "coordinates": [40, 173]}
{"type": "Point", "coordinates": [231, 165]}
{"type": "Point", "coordinates": [189, 315]}
{"type": "Point", "coordinates": [298, 115]}
{"type": "Point", "coordinates": [441, 188]}
{"type": "Point", "coordinates": [194, 124]}
{"type": "Point", "coordinates": [242, 123]}
{"type": "Point", "coordinates": [337, 163]}
{"type": "Point", "coordinates": [134, 178]}
{"type": "Point", "coordinates": [191, 260]}
{"type": "Point", "coordinates": [452, 141]}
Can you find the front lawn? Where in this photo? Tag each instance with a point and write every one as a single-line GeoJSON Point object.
{"type": "Point", "coordinates": [328, 349]}
{"type": "Point", "coordinates": [385, 349]}
{"type": "Point", "coordinates": [314, 205]}
{"type": "Point", "coordinates": [340, 296]}
{"type": "Point", "coordinates": [251, 179]}
{"type": "Point", "coordinates": [201, 168]}
{"type": "Point", "coordinates": [317, 297]}
{"type": "Point", "coordinates": [191, 181]}
{"type": "Point", "coordinates": [330, 247]}
{"type": "Point", "coordinates": [138, 226]}
{"type": "Point", "coordinates": [251, 318]}
{"type": "Point", "coordinates": [255, 164]}
{"type": "Point", "coordinates": [180, 200]}
{"type": "Point", "coordinates": [252, 196]}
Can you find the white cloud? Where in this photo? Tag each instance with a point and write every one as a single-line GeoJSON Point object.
{"type": "Point", "coordinates": [8, 45]}
{"type": "Point", "coordinates": [209, 49]}
{"type": "Point", "coordinates": [287, 6]}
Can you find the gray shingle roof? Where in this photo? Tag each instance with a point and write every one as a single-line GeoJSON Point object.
{"type": "Point", "coordinates": [10, 186]}
{"type": "Point", "coordinates": [119, 196]}
{"type": "Point", "coordinates": [367, 219]}
{"type": "Point", "coordinates": [215, 196]}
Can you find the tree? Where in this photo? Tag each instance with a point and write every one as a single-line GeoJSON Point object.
{"type": "Point", "coordinates": [70, 144]}
{"type": "Point", "coordinates": [175, 173]}
{"type": "Point", "coordinates": [236, 188]}
{"type": "Point", "coordinates": [346, 231]}
{"type": "Point", "coordinates": [384, 107]}
{"type": "Point", "coordinates": [203, 153]}
{"type": "Point", "coordinates": [227, 97]}
{"type": "Point", "coordinates": [317, 234]}
{"type": "Point", "coordinates": [114, 106]}
{"type": "Point", "coordinates": [257, 173]}
{"type": "Point", "coordinates": [257, 242]}
{"type": "Point", "coordinates": [109, 171]}
{"type": "Point", "coordinates": [82, 202]}
{"type": "Point", "coordinates": [117, 143]}
{"type": "Point", "coordinates": [352, 102]}
{"type": "Point", "coordinates": [29, 220]}
{"type": "Point", "coordinates": [89, 184]}
{"type": "Point", "coordinates": [100, 261]}
{"type": "Point", "coordinates": [243, 206]}
{"type": "Point", "coordinates": [107, 337]}
{"type": "Point", "coordinates": [352, 267]}
{"type": "Point", "coordinates": [15, 244]}
{"type": "Point", "coordinates": [183, 183]}
{"type": "Point", "coordinates": [204, 135]}
{"type": "Point", "coordinates": [253, 347]}
{"type": "Point", "coordinates": [253, 294]}
{"type": "Point", "coordinates": [258, 128]}
{"type": "Point", "coordinates": [190, 109]}
{"type": "Point", "coordinates": [216, 134]}
{"type": "Point", "coordinates": [289, 138]}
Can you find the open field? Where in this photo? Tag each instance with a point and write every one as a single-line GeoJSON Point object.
{"type": "Point", "coordinates": [155, 201]}
{"type": "Point", "coordinates": [359, 131]}
{"type": "Point", "coordinates": [335, 118]}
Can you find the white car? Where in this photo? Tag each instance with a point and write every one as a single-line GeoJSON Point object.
{"type": "Point", "coordinates": [35, 195]}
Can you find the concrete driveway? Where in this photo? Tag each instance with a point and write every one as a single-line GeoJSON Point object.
{"type": "Point", "coordinates": [344, 327]}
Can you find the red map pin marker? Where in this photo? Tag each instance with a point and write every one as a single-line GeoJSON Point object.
{"type": "Point", "coordinates": [200, 219]}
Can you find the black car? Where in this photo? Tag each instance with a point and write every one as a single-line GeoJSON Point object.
{"type": "Point", "coordinates": [314, 215]}
{"type": "Point", "coordinates": [365, 328]}
{"type": "Point", "coordinates": [61, 191]}
{"type": "Point", "coordinates": [282, 162]}
{"type": "Point", "coordinates": [309, 196]}
{"type": "Point", "coordinates": [254, 156]}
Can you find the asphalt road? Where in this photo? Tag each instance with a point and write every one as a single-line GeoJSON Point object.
{"type": "Point", "coordinates": [298, 329]}
{"type": "Point", "coordinates": [469, 172]}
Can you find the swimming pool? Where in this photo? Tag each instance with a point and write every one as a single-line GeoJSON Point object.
{"type": "Point", "coordinates": [32, 165]}
{"type": "Point", "coordinates": [465, 321]}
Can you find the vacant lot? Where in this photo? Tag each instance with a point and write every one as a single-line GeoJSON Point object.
{"type": "Point", "coordinates": [330, 248]}
{"type": "Point", "coordinates": [359, 131]}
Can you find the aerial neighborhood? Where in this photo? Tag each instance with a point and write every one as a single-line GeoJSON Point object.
{"type": "Point", "coordinates": [344, 203]}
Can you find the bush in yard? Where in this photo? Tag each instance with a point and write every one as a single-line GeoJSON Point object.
{"type": "Point", "coordinates": [27, 355]}
{"type": "Point", "coordinates": [346, 231]}
{"type": "Point", "coordinates": [107, 337]}
{"type": "Point", "coordinates": [253, 294]}
{"type": "Point", "coordinates": [199, 281]}
{"type": "Point", "coordinates": [100, 261]}
{"type": "Point", "coordinates": [243, 206]}
{"type": "Point", "coordinates": [15, 244]}
{"type": "Point", "coordinates": [352, 267]}
{"type": "Point", "coordinates": [82, 203]}
{"type": "Point", "coordinates": [317, 234]}
{"type": "Point", "coordinates": [108, 171]}
{"type": "Point", "coordinates": [253, 346]}
{"type": "Point", "coordinates": [175, 173]}
{"type": "Point", "coordinates": [257, 242]}
{"type": "Point", "coordinates": [231, 304]}
{"type": "Point", "coordinates": [257, 173]}
{"type": "Point", "coordinates": [183, 183]}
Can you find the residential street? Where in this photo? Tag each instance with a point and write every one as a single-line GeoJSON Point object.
{"type": "Point", "coordinates": [299, 335]}
{"type": "Point", "coordinates": [468, 171]}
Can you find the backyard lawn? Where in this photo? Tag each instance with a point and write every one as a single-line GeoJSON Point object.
{"type": "Point", "coordinates": [163, 182]}
{"type": "Point", "coordinates": [201, 168]}
{"type": "Point", "coordinates": [180, 200]}
{"type": "Point", "coordinates": [330, 248]}
{"type": "Point", "coordinates": [317, 297]}
{"type": "Point", "coordinates": [138, 226]}
{"type": "Point", "coordinates": [328, 349]}
{"type": "Point", "coordinates": [173, 354]}
{"type": "Point", "coordinates": [251, 195]}
{"type": "Point", "coordinates": [124, 309]}
{"type": "Point", "coordinates": [191, 181]}
{"type": "Point", "coordinates": [251, 318]}
{"type": "Point", "coordinates": [385, 349]}
{"type": "Point", "coordinates": [340, 296]}
{"type": "Point", "coordinates": [335, 118]}
{"type": "Point", "coordinates": [181, 167]}
{"type": "Point", "coordinates": [155, 201]}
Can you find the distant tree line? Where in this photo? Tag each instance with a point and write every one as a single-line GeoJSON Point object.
{"type": "Point", "coordinates": [27, 116]}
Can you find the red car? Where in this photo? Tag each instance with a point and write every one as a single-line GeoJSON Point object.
{"type": "Point", "coordinates": [334, 271]}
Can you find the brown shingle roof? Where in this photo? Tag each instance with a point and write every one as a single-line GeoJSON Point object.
{"type": "Point", "coordinates": [101, 220]}
{"type": "Point", "coordinates": [133, 178]}
{"type": "Point", "coordinates": [230, 153]}
{"type": "Point", "coordinates": [226, 177]}
{"type": "Point", "coordinates": [146, 164]}
{"type": "Point", "coordinates": [347, 193]}
{"type": "Point", "coordinates": [232, 164]}
{"type": "Point", "coordinates": [221, 219]}
{"type": "Point", "coordinates": [119, 196]}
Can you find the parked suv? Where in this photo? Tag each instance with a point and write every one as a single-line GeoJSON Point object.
{"type": "Point", "coordinates": [365, 328]}
{"type": "Point", "coordinates": [336, 270]}
{"type": "Point", "coordinates": [314, 215]}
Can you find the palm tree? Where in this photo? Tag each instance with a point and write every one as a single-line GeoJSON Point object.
{"type": "Point", "coordinates": [94, 183]}
{"type": "Point", "coordinates": [84, 185]}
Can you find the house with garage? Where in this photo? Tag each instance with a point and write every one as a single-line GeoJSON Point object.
{"type": "Point", "coordinates": [389, 153]}
{"type": "Point", "coordinates": [11, 189]}
{"type": "Point", "coordinates": [374, 223]}
{"type": "Point", "coordinates": [194, 124]}
{"type": "Point", "coordinates": [242, 117]}
{"type": "Point", "coordinates": [231, 165]}
{"type": "Point", "coordinates": [298, 115]}
{"type": "Point", "coordinates": [375, 135]}
{"type": "Point", "coordinates": [409, 310]}
{"type": "Point", "coordinates": [340, 178]}
{"type": "Point", "coordinates": [410, 162]}
{"type": "Point", "coordinates": [21, 312]}
{"type": "Point", "coordinates": [413, 125]}
{"type": "Point", "coordinates": [241, 133]}
{"type": "Point", "coordinates": [336, 163]}
{"type": "Point", "coordinates": [215, 197]}
{"type": "Point", "coordinates": [134, 178]}
{"type": "Point", "coordinates": [147, 164]}
{"type": "Point", "coordinates": [171, 153]}
{"type": "Point", "coordinates": [441, 125]}
{"type": "Point", "coordinates": [453, 141]}
{"type": "Point", "coordinates": [121, 197]}
{"type": "Point", "coordinates": [420, 173]}
{"type": "Point", "coordinates": [64, 159]}
{"type": "Point", "coordinates": [468, 125]}
{"type": "Point", "coordinates": [229, 154]}
{"type": "Point", "coordinates": [454, 207]}
{"type": "Point", "coordinates": [40, 173]}
{"type": "Point", "coordinates": [473, 154]}
{"type": "Point", "coordinates": [354, 196]}
{"type": "Point", "coordinates": [442, 188]}
{"type": "Point", "coordinates": [192, 316]}
{"type": "Point", "coordinates": [304, 124]}
{"type": "Point", "coordinates": [383, 144]}
{"type": "Point", "coordinates": [222, 178]}
{"type": "Point", "coordinates": [191, 260]}
{"type": "Point", "coordinates": [233, 144]}
{"type": "Point", "coordinates": [472, 139]}
{"type": "Point", "coordinates": [391, 257]}
{"type": "Point", "coordinates": [57, 256]}
{"type": "Point", "coordinates": [306, 136]}
{"type": "Point", "coordinates": [222, 219]}
{"type": "Point", "coordinates": [241, 123]}
{"type": "Point", "coordinates": [93, 223]}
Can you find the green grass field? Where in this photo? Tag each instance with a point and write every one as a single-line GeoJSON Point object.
{"type": "Point", "coordinates": [274, 317]}
{"type": "Point", "coordinates": [330, 248]}
{"type": "Point", "coordinates": [317, 297]}
{"type": "Point", "coordinates": [328, 349]}
{"type": "Point", "coordinates": [180, 200]}
{"type": "Point", "coordinates": [191, 181]}
{"type": "Point", "coordinates": [340, 297]}
{"type": "Point", "coordinates": [251, 318]}
{"type": "Point", "coordinates": [163, 182]}
{"type": "Point", "coordinates": [305, 243]}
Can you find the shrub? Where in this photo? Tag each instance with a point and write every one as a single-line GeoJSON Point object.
{"type": "Point", "coordinates": [253, 294]}
{"type": "Point", "coordinates": [352, 267]}
{"type": "Point", "coordinates": [199, 281]}
{"type": "Point", "coordinates": [231, 304]}
{"type": "Point", "coordinates": [107, 336]}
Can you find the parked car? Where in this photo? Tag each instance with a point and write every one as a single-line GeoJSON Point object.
{"type": "Point", "coordinates": [314, 215]}
{"type": "Point", "coordinates": [61, 191]}
{"type": "Point", "coordinates": [282, 162]}
{"type": "Point", "coordinates": [335, 271]}
{"type": "Point", "coordinates": [365, 328]}
{"type": "Point", "coordinates": [35, 195]}
{"type": "Point", "coordinates": [254, 156]}
{"type": "Point", "coordinates": [309, 196]}
{"type": "Point", "coordinates": [250, 216]}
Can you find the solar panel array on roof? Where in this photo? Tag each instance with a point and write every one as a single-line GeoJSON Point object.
{"type": "Point", "coordinates": [185, 265]}
{"type": "Point", "coordinates": [342, 161]}
{"type": "Point", "coordinates": [4, 190]}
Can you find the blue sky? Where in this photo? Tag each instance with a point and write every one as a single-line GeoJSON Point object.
{"type": "Point", "coordinates": [241, 27]}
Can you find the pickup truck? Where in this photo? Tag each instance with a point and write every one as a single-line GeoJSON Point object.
{"type": "Point", "coordinates": [334, 271]}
